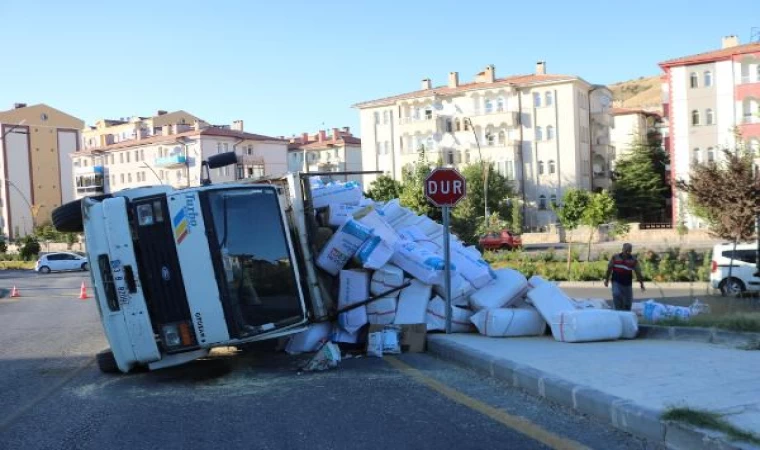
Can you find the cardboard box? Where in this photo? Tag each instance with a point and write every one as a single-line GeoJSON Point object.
{"type": "Point", "coordinates": [412, 336]}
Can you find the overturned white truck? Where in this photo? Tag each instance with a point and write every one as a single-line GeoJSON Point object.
{"type": "Point", "coordinates": [177, 272]}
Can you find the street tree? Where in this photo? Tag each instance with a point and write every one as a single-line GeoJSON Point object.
{"type": "Point", "coordinates": [412, 194]}
{"type": "Point", "coordinates": [640, 185]}
{"type": "Point", "coordinates": [570, 213]}
{"type": "Point", "coordinates": [384, 188]}
{"type": "Point", "coordinates": [469, 213]}
{"type": "Point", "coordinates": [517, 216]}
{"type": "Point", "coordinates": [599, 210]}
{"type": "Point", "coordinates": [727, 196]}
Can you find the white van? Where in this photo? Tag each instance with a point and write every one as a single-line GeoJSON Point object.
{"type": "Point", "coordinates": [744, 274]}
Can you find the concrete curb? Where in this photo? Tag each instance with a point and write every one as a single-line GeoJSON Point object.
{"type": "Point", "coordinates": [698, 286]}
{"type": "Point", "coordinates": [620, 413]}
{"type": "Point", "coordinates": [696, 334]}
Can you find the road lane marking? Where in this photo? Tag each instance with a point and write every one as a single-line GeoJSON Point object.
{"type": "Point", "coordinates": [7, 421]}
{"type": "Point", "coordinates": [517, 423]}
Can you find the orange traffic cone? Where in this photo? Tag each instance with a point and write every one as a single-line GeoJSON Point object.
{"type": "Point", "coordinates": [14, 292]}
{"type": "Point", "coordinates": [83, 292]}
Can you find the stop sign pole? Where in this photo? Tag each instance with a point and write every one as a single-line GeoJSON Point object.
{"type": "Point", "coordinates": [444, 188]}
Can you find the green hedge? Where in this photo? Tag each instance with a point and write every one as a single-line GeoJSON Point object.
{"type": "Point", "coordinates": [667, 266]}
{"type": "Point", "coordinates": [6, 265]}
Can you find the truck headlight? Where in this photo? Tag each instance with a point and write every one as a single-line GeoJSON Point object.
{"type": "Point", "coordinates": [171, 335]}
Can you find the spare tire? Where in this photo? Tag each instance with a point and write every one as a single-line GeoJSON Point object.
{"type": "Point", "coordinates": [67, 218]}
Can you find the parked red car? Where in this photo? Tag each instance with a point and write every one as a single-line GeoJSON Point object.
{"type": "Point", "coordinates": [503, 240]}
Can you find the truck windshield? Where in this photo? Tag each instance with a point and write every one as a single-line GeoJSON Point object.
{"type": "Point", "coordinates": [259, 273]}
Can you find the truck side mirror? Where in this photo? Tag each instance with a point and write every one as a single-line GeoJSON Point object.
{"type": "Point", "coordinates": [215, 162]}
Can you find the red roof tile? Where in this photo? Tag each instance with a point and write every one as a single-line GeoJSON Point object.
{"type": "Point", "coordinates": [624, 111]}
{"type": "Point", "coordinates": [521, 80]}
{"type": "Point", "coordinates": [316, 145]}
{"type": "Point", "coordinates": [714, 55]}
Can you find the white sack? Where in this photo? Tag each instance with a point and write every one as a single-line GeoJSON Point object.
{"type": "Point", "coordinates": [386, 278]}
{"type": "Point", "coordinates": [586, 325]}
{"type": "Point", "coordinates": [374, 253]}
{"type": "Point", "coordinates": [536, 281]}
{"type": "Point", "coordinates": [630, 323]}
{"type": "Point", "coordinates": [309, 340]}
{"type": "Point", "coordinates": [421, 263]}
{"type": "Point", "coordinates": [393, 210]}
{"type": "Point", "coordinates": [509, 286]}
{"type": "Point", "coordinates": [354, 287]}
{"type": "Point", "coordinates": [436, 317]}
{"type": "Point", "coordinates": [338, 214]}
{"type": "Point", "coordinates": [594, 303]}
{"type": "Point", "coordinates": [382, 311]}
{"type": "Point", "coordinates": [408, 220]}
{"type": "Point", "coordinates": [429, 226]}
{"type": "Point", "coordinates": [412, 233]}
{"type": "Point", "coordinates": [343, 336]}
{"type": "Point", "coordinates": [461, 290]}
{"type": "Point", "coordinates": [342, 246]}
{"type": "Point", "coordinates": [472, 267]}
{"type": "Point", "coordinates": [504, 322]}
{"type": "Point", "coordinates": [347, 193]}
{"type": "Point", "coordinates": [549, 300]}
{"type": "Point", "coordinates": [379, 226]}
{"type": "Point", "coordinates": [412, 303]}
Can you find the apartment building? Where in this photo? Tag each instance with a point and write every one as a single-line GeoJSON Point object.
{"type": "Point", "coordinates": [34, 165]}
{"type": "Point", "coordinates": [112, 131]}
{"type": "Point", "coordinates": [634, 125]}
{"type": "Point", "coordinates": [711, 102]}
{"type": "Point", "coordinates": [174, 157]}
{"type": "Point", "coordinates": [544, 132]}
{"type": "Point", "coordinates": [340, 151]}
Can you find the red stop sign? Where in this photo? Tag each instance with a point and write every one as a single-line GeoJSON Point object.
{"type": "Point", "coordinates": [445, 187]}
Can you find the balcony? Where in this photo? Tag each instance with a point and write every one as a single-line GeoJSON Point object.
{"type": "Point", "coordinates": [508, 119]}
{"type": "Point", "coordinates": [89, 170]}
{"type": "Point", "coordinates": [170, 162]}
{"type": "Point", "coordinates": [410, 125]}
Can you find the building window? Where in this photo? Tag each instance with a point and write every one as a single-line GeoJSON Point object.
{"type": "Point", "coordinates": [385, 117]}
{"type": "Point", "coordinates": [142, 155]}
{"type": "Point", "coordinates": [709, 118]}
{"type": "Point", "coordinates": [754, 147]}
{"type": "Point", "coordinates": [225, 147]}
{"type": "Point", "coordinates": [111, 158]}
{"type": "Point", "coordinates": [542, 202]}
{"type": "Point", "coordinates": [695, 156]}
{"type": "Point", "coordinates": [710, 154]}
{"type": "Point", "coordinates": [489, 138]}
{"type": "Point", "coordinates": [488, 106]}
{"type": "Point", "coordinates": [458, 125]}
{"type": "Point", "coordinates": [694, 80]}
{"type": "Point", "coordinates": [386, 147]}
{"type": "Point", "coordinates": [550, 132]}
{"type": "Point", "coordinates": [540, 167]}
{"type": "Point", "coordinates": [218, 147]}
{"type": "Point", "coordinates": [377, 149]}
{"type": "Point", "coordinates": [428, 113]}
{"type": "Point", "coordinates": [502, 137]}
{"type": "Point", "coordinates": [377, 118]}
{"type": "Point", "coordinates": [539, 134]}
{"type": "Point", "coordinates": [708, 78]}
{"type": "Point", "coordinates": [250, 150]}
{"type": "Point", "coordinates": [129, 178]}
{"type": "Point", "coordinates": [536, 99]}
{"type": "Point", "coordinates": [500, 104]}
{"type": "Point", "coordinates": [695, 117]}
{"type": "Point", "coordinates": [553, 200]}
{"type": "Point", "coordinates": [449, 126]}
{"type": "Point", "coordinates": [552, 166]}
{"type": "Point", "coordinates": [122, 178]}
{"type": "Point", "coordinates": [127, 156]}
{"type": "Point", "coordinates": [466, 124]}
{"type": "Point", "coordinates": [121, 158]}
{"type": "Point", "coordinates": [549, 98]}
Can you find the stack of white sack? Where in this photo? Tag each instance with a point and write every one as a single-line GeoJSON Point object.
{"type": "Point", "coordinates": [436, 317]}
{"type": "Point", "coordinates": [461, 290]}
{"type": "Point", "coordinates": [653, 311]}
{"type": "Point", "coordinates": [336, 193]}
{"type": "Point", "coordinates": [412, 303]}
{"type": "Point", "coordinates": [342, 246]}
{"type": "Point", "coordinates": [420, 263]}
{"type": "Point", "coordinates": [354, 288]}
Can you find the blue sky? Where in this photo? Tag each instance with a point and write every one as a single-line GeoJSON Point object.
{"type": "Point", "coordinates": [285, 67]}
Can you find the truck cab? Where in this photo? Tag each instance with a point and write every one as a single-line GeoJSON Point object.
{"type": "Point", "coordinates": [177, 272]}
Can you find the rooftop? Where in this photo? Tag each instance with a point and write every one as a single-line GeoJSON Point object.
{"type": "Point", "coordinates": [713, 55]}
{"type": "Point", "coordinates": [519, 80]}
{"type": "Point", "coordinates": [211, 131]}
{"type": "Point", "coordinates": [624, 111]}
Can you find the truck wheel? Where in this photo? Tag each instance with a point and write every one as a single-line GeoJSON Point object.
{"type": "Point", "coordinates": [107, 362]}
{"type": "Point", "coordinates": [68, 217]}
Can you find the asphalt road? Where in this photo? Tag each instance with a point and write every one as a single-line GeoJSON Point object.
{"type": "Point", "coordinates": [54, 397]}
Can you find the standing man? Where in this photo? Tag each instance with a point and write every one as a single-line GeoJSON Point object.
{"type": "Point", "coordinates": [621, 267]}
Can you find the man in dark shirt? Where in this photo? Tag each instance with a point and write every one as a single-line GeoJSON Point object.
{"type": "Point", "coordinates": [621, 268]}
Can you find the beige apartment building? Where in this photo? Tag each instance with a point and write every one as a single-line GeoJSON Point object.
{"type": "Point", "coordinates": [340, 151]}
{"type": "Point", "coordinates": [173, 154]}
{"type": "Point", "coordinates": [634, 125]}
{"type": "Point", "coordinates": [544, 132]}
{"type": "Point", "coordinates": [711, 102]}
{"type": "Point", "coordinates": [35, 165]}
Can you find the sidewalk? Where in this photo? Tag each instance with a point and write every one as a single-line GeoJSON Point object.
{"type": "Point", "coordinates": [626, 383]}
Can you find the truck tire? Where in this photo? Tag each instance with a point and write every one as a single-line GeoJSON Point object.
{"type": "Point", "coordinates": [107, 362]}
{"type": "Point", "coordinates": [67, 218]}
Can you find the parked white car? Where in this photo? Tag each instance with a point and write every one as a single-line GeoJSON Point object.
{"type": "Point", "coordinates": [61, 261]}
{"type": "Point", "coordinates": [744, 275]}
